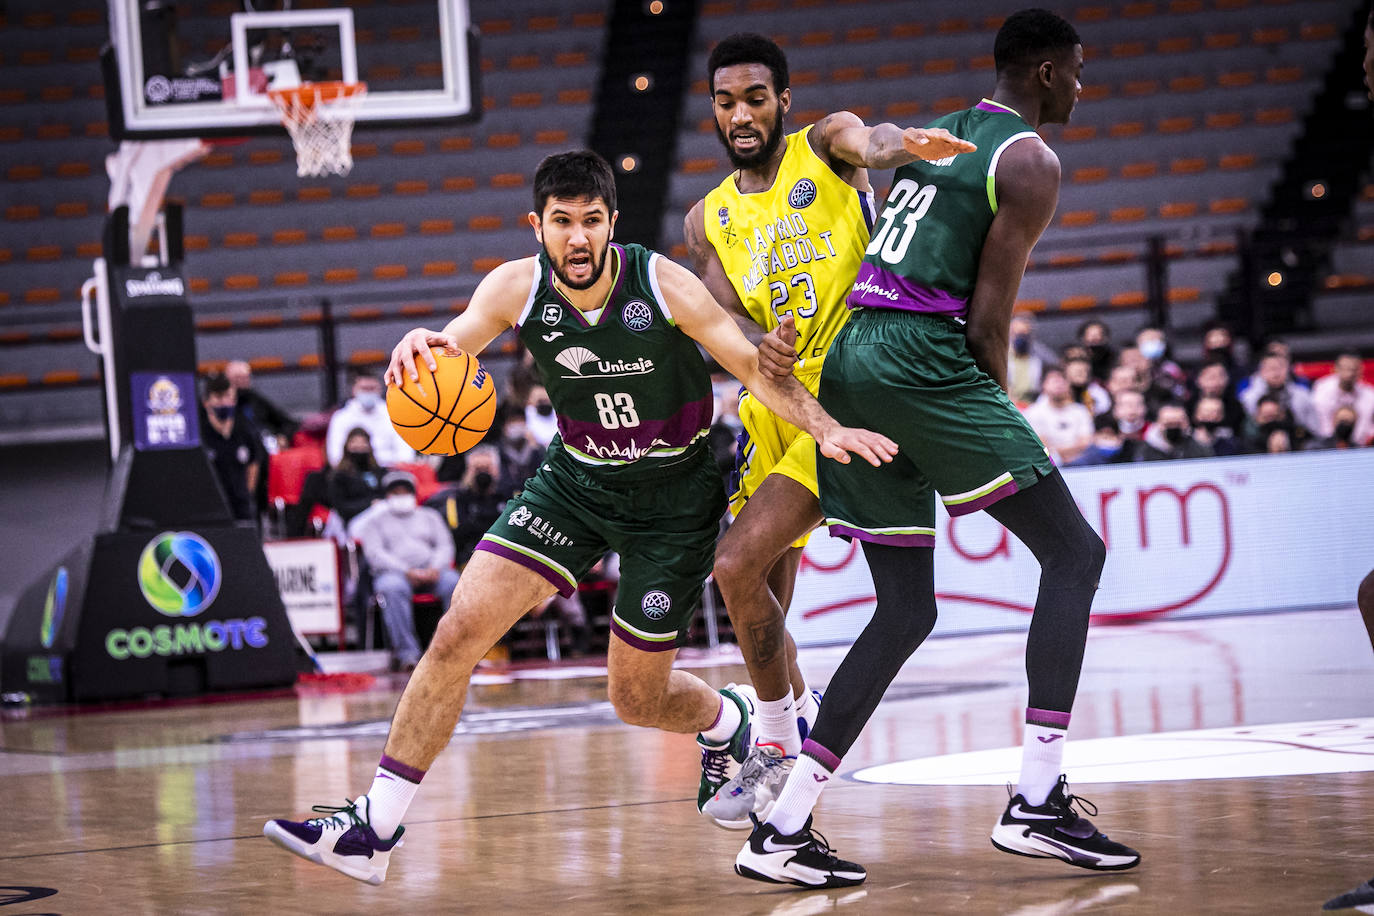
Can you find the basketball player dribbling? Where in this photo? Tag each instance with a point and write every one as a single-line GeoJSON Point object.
{"type": "Point", "coordinates": [924, 356]}
{"type": "Point", "coordinates": [778, 243]}
{"type": "Point", "coordinates": [1363, 896]}
{"type": "Point", "coordinates": [614, 330]}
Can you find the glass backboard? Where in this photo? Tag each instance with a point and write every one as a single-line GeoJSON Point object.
{"type": "Point", "coordinates": [180, 68]}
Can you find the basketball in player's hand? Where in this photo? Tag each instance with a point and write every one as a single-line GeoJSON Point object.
{"type": "Point", "coordinates": [446, 411]}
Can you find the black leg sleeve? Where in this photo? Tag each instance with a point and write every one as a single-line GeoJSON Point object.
{"type": "Point", "coordinates": [904, 579]}
{"type": "Point", "coordinates": [1046, 519]}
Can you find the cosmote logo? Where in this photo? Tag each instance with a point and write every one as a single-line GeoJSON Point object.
{"type": "Point", "coordinates": [180, 574]}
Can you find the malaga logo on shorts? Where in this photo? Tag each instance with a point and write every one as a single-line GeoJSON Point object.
{"type": "Point", "coordinates": [656, 604]}
{"type": "Point", "coordinates": [53, 608]}
{"type": "Point", "coordinates": [179, 573]}
{"type": "Point", "coordinates": [803, 193]}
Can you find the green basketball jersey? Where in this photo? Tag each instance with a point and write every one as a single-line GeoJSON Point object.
{"type": "Point", "coordinates": [628, 386]}
{"type": "Point", "coordinates": [923, 255]}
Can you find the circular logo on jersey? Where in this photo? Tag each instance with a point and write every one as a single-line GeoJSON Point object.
{"type": "Point", "coordinates": [637, 315]}
{"type": "Point", "coordinates": [803, 192]}
{"type": "Point", "coordinates": [53, 608]}
{"type": "Point", "coordinates": [158, 89]}
{"type": "Point", "coordinates": [179, 573]}
{"type": "Point", "coordinates": [656, 604]}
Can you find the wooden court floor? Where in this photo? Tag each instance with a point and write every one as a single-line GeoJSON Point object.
{"type": "Point", "coordinates": [544, 804]}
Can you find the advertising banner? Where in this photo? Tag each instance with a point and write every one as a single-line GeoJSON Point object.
{"type": "Point", "coordinates": [164, 410]}
{"type": "Point", "coordinates": [1184, 538]}
{"type": "Point", "coordinates": [307, 573]}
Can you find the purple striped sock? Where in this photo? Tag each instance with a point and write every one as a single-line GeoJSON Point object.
{"type": "Point", "coordinates": [406, 772]}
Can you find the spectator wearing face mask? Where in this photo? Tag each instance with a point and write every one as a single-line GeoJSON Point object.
{"type": "Point", "coordinates": [1130, 415]}
{"type": "Point", "coordinates": [1164, 380]}
{"type": "Point", "coordinates": [234, 447]}
{"type": "Point", "coordinates": [539, 416]}
{"type": "Point", "coordinates": [408, 550]}
{"type": "Point", "coordinates": [1219, 346]}
{"type": "Point", "coordinates": [1342, 431]}
{"type": "Point", "coordinates": [355, 482]}
{"type": "Point", "coordinates": [1170, 437]}
{"type": "Point", "coordinates": [1214, 381]}
{"type": "Point", "coordinates": [1345, 387]}
{"type": "Point", "coordinates": [1211, 428]}
{"type": "Point", "coordinates": [366, 409]}
{"type": "Point", "coordinates": [520, 454]}
{"type": "Point", "coordinates": [1272, 416]}
{"type": "Point", "coordinates": [1095, 337]}
{"type": "Point", "coordinates": [1274, 381]}
{"type": "Point", "coordinates": [1026, 359]}
{"type": "Point", "coordinates": [478, 500]}
{"type": "Point", "coordinates": [1065, 426]}
{"type": "Point", "coordinates": [1106, 447]}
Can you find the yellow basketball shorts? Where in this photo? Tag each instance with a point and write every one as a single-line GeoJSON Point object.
{"type": "Point", "coordinates": [771, 445]}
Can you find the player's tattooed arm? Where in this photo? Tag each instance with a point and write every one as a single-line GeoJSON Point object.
{"type": "Point", "coordinates": [1027, 193]}
{"type": "Point", "coordinates": [777, 350]}
{"type": "Point", "coordinates": [701, 318]}
{"type": "Point", "coordinates": [495, 306]}
{"type": "Point", "coordinates": [843, 136]}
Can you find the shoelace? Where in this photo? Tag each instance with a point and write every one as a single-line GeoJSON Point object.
{"type": "Point", "coordinates": [714, 762]}
{"type": "Point", "coordinates": [1070, 799]}
{"type": "Point", "coordinates": [335, 818]}
{"type": "Point", "coordinates": [819, 843]}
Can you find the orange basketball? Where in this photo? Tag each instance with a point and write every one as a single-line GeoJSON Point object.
{"type": "Point", "coordinates": [448, 410]}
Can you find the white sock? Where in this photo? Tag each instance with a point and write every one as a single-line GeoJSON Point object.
{"type": "Point", "coordinates": [727, 721]}
{"type": "Point", "coordinates": [807, 707]}
{"type": "Point", "coordinates": [811, 773]}
{"type": "Point", "coordinates": [775, 722]}
{"type": "Point", "coordinates": [1042, 754]}
{"type": "Point", "coordinates": [393, 787]}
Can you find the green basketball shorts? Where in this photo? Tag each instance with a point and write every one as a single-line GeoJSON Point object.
{"type": "Point", "coordinates": [912, 378]}
{"type": "Point", "coordinates": [663, 525]}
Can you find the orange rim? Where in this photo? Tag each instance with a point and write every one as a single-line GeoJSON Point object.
{"type": "Point", "coordinates": [308, 95]}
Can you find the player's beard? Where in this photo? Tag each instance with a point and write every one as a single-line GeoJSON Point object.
{"type": "Point", "coordinates": [598, 265]}
{"type": "Point", "coordinates": [762, 154]}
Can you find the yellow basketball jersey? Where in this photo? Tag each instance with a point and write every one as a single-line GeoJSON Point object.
{"type": "Point", "coordinates": [793, 248]}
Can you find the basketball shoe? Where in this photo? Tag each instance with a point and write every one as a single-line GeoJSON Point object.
{"type": "Point", "coordinates": [1361, 899]}
{"type": "Point", "coordinates": [753, 790]}
{"type": "Point", "coordinates": [804, 859]}
{"type": "Point", "coordinates": [343, 840]}
{"type": "Point", "coordinates": [1055, 831]}
{"type": "Point", "coordinates": [716, 758]}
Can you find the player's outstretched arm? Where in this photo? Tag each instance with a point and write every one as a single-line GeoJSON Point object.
{"type": "Point", "coordinates": [1027, 193]}
{"type": "Point", "coordinates": [844, 136]}
{"type": "Point", "coordinates": [777, 351]}
{"type": "Point", "coordinates": [495, 305]}
{"type": "Point", "coordinates": [701, 318]}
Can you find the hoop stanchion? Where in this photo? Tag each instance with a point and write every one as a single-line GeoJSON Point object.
{"type": "Point", "coordinates": [319, 117]}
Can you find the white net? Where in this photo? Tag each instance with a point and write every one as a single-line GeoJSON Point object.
{"type": "Point", "coordinates": [319, 117]}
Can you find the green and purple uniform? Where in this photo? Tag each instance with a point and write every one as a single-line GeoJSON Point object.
{"type": "Point", "coordinates": [629, 470]}
{"type": "Point", "coordinates": [902, 367]}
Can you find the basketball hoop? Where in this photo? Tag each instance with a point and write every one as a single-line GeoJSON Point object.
{"type": "Point", "coordinates": [319, 117]}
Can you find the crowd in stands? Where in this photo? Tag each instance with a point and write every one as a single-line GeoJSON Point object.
{"type": "Point", "coordinates": [1093, 403]}
{"type": "Point", "coordinates": [348, 475]}
{"type": "Point", "coordinates": [415, 520]}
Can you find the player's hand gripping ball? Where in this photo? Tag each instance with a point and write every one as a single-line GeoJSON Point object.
{"type": "Point", "coordinates": [446, 411]}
